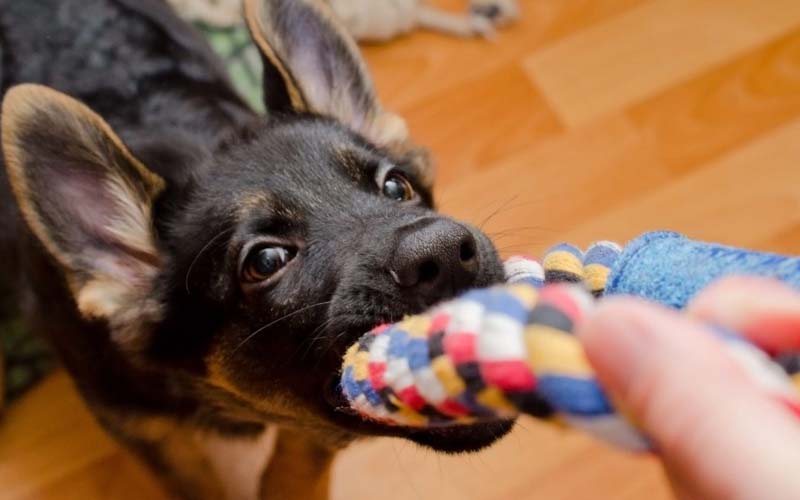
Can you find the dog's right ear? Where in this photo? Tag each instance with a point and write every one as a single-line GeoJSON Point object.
{"type": "Point", "coordinates": [87, 200]}
{"type": "Point", "coordinates": [312, 65]}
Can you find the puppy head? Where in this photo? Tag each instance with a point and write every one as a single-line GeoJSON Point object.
{"type": "Point", "coordinates": [247, 282]}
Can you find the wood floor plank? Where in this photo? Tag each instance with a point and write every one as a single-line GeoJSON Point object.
{"type": "Point", "coordinates": [423, 64]}
{"type": "Point", "coordinates": [744, 198]}
{"type": "Point", "coordinates": [696, 121]}
{"type": "Point", "coordinates": [47, 437]}
{"type": "Point", "coordinates": [527, 201]}
{"type": "Point", "coordinates": [645, 50]}
{"type": "Point", "coordinates": [445, 118]}
{"type": "Point", "coordinates": [784, 240]}
{"type": "Point", "coordinates": [115, 476]}
{"type": "Point", "coordinates": [536, 462]}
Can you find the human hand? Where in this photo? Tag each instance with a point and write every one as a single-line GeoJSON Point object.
{"type": "Point", "coordinates": [719, 435]}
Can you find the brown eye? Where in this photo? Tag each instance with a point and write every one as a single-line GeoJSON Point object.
{"type": "Point", "coordinates": [265, 262]}
{"type": "Point", "coordinates": [397, 187]}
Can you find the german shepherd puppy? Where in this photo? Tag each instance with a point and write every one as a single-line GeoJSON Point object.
{"type": "Point", "coordinates": [198, 268]}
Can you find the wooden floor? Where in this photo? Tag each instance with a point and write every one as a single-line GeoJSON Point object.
{"type": "Point", "coordinates": [591, 119]}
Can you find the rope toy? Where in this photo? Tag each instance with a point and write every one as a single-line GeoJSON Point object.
{"type": "Point", "coordinates": [508, 350]}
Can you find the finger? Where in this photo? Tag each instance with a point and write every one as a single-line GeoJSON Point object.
{"type": "Point", "coordinates": [714, 429]}
{"type": "Point", "coordinates": [765, 311]}
{"type": "Point", "coordinates": [680, 490]}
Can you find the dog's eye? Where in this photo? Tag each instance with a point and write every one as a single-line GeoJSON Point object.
{"type": "Point", "coordinates": [265, 262]}
{"type": "Point", "coordinates": [397, 187]}
{"type": "Point", "coordinates": [393, 183]}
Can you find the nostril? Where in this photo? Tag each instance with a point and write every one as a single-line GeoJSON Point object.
{"type": "Point", "coordinates": [428, 271]}
{"type": "Point", "coordinates": [467, 251]}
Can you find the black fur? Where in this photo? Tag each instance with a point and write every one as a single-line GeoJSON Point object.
{"type": "Point", "coordinates": [233, 177]}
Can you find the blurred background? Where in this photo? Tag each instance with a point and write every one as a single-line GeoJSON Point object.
{"type": "Point", "coordinates": [585, 120]}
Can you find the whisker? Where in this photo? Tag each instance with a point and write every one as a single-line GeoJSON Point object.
{"type": "Point", "coordinates": [507, 207]}
{"type": "Point", "coordinates": [314, 337]}
{"type": "Point", "coordinates": [514, 248]}
{"type": "Point", "coordinates": [502, 207]}
{"type": "Point", "coordinates": [332, 342]}
{"type": "Point", "coordinates": [282, 318]}
{"type": "Point", "coordinates": [200, 253]}
{"type": "Point", "coordinates": [514, 229]}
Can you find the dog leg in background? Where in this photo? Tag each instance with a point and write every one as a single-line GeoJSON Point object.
{"type": "Point", "coordinates": [376, 20]}
{"type": "Point", "coordinates": [464, 25]}
{"type": "Point", "coordinates": [382, 20]}
{"type": "Point", "coordinates": [483, 18]}
{"type": "Point", "coordinates": [300, 468]}
{"type": "Point", "coordinates": [499, 12]}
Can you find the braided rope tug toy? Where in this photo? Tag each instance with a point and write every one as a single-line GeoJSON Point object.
{"type": "Point", "coordinates": [508, 350]}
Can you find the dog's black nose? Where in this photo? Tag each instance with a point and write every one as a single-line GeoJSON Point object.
{"type": "Point", "coordinates": [435, 260]}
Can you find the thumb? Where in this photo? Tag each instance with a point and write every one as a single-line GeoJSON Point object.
{"type": "Point", "coordinates": [718, 434]}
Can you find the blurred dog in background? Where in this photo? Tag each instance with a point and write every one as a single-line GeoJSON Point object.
{"type": "Point", "coordinates": [377, 20]}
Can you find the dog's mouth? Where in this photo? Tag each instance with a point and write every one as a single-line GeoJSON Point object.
{"type": "Point", "coordinates": [460, 438]}
{"type": "Point", "coordinates": [455, 439]}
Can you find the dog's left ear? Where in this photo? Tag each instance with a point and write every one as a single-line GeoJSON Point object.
{"type": "Point", "coordinates": [86, 198]}
{"type": "Point", "coordinates": [313, 65]}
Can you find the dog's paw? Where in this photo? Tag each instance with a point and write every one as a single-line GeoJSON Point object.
{"type": "Point", "coordinates": [497, 12]}
{"type": "Point", "coordinates": [481, 26]}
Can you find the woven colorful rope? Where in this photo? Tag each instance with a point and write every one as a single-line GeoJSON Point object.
{"type": "Point", "coordinates": [500, 352]}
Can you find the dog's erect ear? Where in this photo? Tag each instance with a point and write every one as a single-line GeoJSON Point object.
{"type": "Point", "coordinates": [312, 65]}
{"type": "Point", "coordinates": [85, 197]}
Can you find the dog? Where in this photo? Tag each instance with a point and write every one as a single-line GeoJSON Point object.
{"type": "Point", "coordinates": [377, 20]}
{"type": "Point", "coordinates": [200, 269]}
{"type": "Point", "coordinates": [382, 20]}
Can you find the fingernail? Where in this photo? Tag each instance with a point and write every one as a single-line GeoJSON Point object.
{"type": "Point", "coordinates": [735, 300]}
{"type": "Point", "coordinates": [766, 312]}
{"type": "Point", "coordinates": [625, 338]}
{"type": "Point", "coordinates": [789, 404]}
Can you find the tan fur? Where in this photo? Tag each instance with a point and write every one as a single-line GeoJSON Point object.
{"type": "Point", "coordinates": [216, 376]}
{"type": "Point", "coordinates": [300, 469]}
{"type": "Point", "coordinates": [150, 429]}
{"type": "Point", "coordinates": [252, 201]}
{"type": "Point", "coordinates": [280, 406]}
{"type": "Point", "coordinates": [203, 463]}
{"type": "Point", "coordinates": [389, 128]}
{"type": "Point", "coordinates": [18, 107]}
{"type": "Point", "coordinates": [2, 380]}
{"type": "Point", "coordinates": [300, 464]}
{"type": "Point", "coordinates": [190, 468]}
{"type": "Point", "coordinates": [240, 463]}
{"type": "Point", "coordinates": [133, 227]}
{"type": "Point", "coordinates": [100, 297]}
{"type": "Point", "coordinates": [284, 463]}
